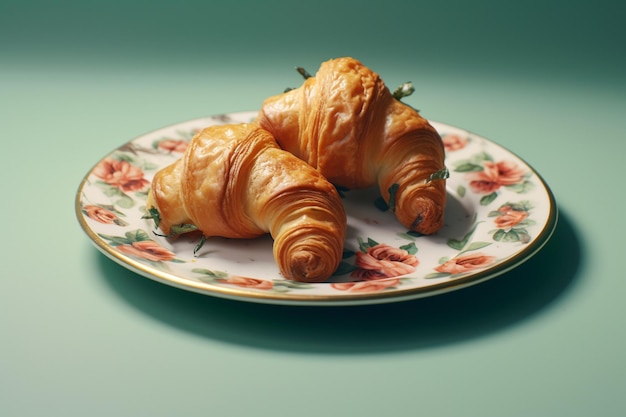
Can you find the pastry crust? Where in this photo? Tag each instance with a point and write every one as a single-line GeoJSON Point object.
{"type": "Point", "coordinates": [346, 123]}
{"type": "Point", "coordinates": [234, 181]}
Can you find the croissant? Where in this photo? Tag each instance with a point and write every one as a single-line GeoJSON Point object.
{"type": "Point", "coordinates": [347, 124]}
{"type": "Point", "coordinates": [234, 181]}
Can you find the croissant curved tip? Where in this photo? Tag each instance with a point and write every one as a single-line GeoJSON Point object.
{"type": "Point", "coordinates": [422, 214]}
{"type": "Point", "coordinates": [309, 266]}
{"type": "Point", "coordinates": [311, 256]}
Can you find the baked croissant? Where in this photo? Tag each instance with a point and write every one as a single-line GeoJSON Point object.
{"type": "Point", "coordinates": [234, 181]}
{"type": "Point", "coordinates": [346, 123]}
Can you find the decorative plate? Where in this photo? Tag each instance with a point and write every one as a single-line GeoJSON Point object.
{"type": "Point", "coordinates": [499, 213]}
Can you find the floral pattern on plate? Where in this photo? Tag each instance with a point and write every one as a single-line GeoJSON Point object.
{"type": "Point", "coordinates": [499, 213]}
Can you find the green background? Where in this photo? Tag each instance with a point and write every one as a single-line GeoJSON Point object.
{"type": "Point", "coordinates": [80, 335]}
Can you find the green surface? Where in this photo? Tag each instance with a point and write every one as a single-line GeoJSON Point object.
{"type": "Point", "coordinates": [81, 335]}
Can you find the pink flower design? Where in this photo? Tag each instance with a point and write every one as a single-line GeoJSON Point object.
{"type": "Point", "coordinates": [247, 282]}
{"type": "Point", "coordinates": [173, 145]}
{"type": "Point", "coordinates": [383, 261]}
{"type": "Point", "coordinates": [374, 285]}
{"type": "Point", "coordinates": [465, 263]}
{"type": "Point", "coordinates": [147, 249]}
{"type": "Point", "coordinates": [121, 174]}
{"type": "Point", "coordinates": [509, 217]}
{"type": "Point", "coordinates": [100, 214]}
{"type": "Point", "coordinates": [454, 142]}
{"type": "Point", "coordinates": [494, 175]}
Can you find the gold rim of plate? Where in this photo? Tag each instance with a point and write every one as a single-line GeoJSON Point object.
{"type": "Point", "coordinates": [295, 298]}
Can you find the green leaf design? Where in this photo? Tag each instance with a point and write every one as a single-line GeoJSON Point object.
{"type": "Point", "coordinates": [344, 268]}
{"type": "Point", "coordinates": [150, 166]}
{"type": "Point", "coordinates": [460, 244]}
{"type": "Point", "coordinates": [125, 157]}
{"type": "Point", "coordinates": [292, 284]}
{"type": "Point", "coordinates": [522, 188]}
{"type": "Point", "coordinates": [461, 190]}
{"type": "Point", "coordinates": [410, 235]}
{"type": "Point", "coordinates": [482, 157]}
{"type": "Point", "coordinates": [108, 189]}
{"type": "Point", "coordinates": [282, 289]}
{"type": "Point", "coordinates": [437, 275]}
{"type": "Point", "coordinates": [527, 222]}
{"type": "Point", "coordinates": [115, 240]}
{"type": "Point", "coordinates": [498, 235]}
{"type": "Point", "coordinates": [177, 261]}
{"type": "Point", "coordinates": [524, 236]}
{"type": "Point", "coordinates": [476, 246]}
{"type": "Point", "coordinates": [125, 201]}
{"type": "Point", "coordinates": [365, 245]}
{"type": "Point", "coordinates": [523, 205]}
{"type": "Point", "coordinates": [473, 164]}
{"type": "Point", "coordinates": [456, 244]}
{"type": "Point", "coordinates": [143, 194]}
{"type": "Point", "coordinates": [410, 248]}
{"type": "Point", "coordinates": [414, 234]}
{"type": "Point", "coordinates": [138, 235]}
{"type": "Point", "coordinates": [130, 237]}
{"type": "Point", "coordinates": [468, 167]}
{"type": "Point", "coordinates": [488, 199]}
{"type": "Point", "coordinates": [209, 275]}
{"type": "Point", "coordinates": [120, 222]}
{"type": "Point", "coordinates": [513, 235]}
{"type": "Point", "coordinates": [112, 208]}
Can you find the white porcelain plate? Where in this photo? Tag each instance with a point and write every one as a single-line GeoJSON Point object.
{"type": "Point", "coordinates": [499, 213]}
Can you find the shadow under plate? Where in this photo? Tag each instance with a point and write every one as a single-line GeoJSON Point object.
{"type": "Point", "coordinates": [452, 317]}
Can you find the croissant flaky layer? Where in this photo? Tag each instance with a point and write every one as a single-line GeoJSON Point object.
{"type": "Point", "coordinates": [234, 181]}
{"type": "Point", "coordinates": [346, 123]}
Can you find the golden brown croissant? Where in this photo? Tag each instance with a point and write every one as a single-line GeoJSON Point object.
{"type": "Point", "coordinates": [346, 123]}
{"type": "Point", "coordinates": [234, 181]}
